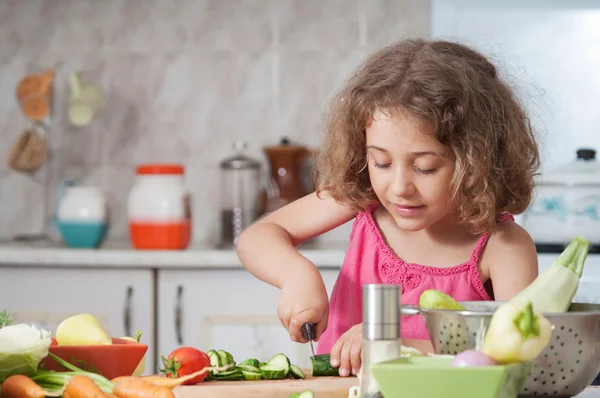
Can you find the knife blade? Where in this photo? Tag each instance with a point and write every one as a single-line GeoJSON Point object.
{"type": "Point", "coordinates": [309, 332]}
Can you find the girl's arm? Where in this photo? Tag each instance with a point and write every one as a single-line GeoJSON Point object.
{"type": "Point", "coordinates": [512, 259]}
{"type": "Point", "coordinates": [268, 247]}
{"type": "Point", "coordinates": [268, 250]}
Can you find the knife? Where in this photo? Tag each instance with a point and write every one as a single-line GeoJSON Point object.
{"type": "Point", "coordinates": [309, 332]}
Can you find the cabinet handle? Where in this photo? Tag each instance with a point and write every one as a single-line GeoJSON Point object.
{"type": "Point", "coordinates": [127, 311]}
{"type": "Point", "coordinates": [178, 315]}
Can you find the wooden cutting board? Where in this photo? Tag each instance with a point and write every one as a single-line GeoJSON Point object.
{"type": "Point", "coordinates": [323, 387]}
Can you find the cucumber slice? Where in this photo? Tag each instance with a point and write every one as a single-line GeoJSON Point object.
{"type": "Point", "coordinates": [248, 375]}
{"type": "Point", "coordinates": [250, 361]}
{"type": "Point", "coordinates": [303, 394]}
{"type": "Point", "coordinates": [226, 357]}
{"type": "Point", "coordinates": [280, 360]}
{"type": "Point", "coordinates": [321, 366]}
{"type": "Point", "coordinates": [273, 372]}
{"type": "Point", "coordinates": [296, 372]}
{"type": "Point", "coordinates": [248, 368]}
{"type": "Point", "coordinates": [215, 359]}
{"type": "Point", "coordinates": [261, 364]}
{"type": "Point", "coordinates": [210, 376]}
{"type": "Point", "coordinates": [235, 374]}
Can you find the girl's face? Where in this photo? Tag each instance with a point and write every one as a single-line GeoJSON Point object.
{"type": "Point", "coordinates": [409, 171]}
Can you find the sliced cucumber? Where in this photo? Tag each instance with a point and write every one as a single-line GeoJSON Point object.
{"type": "Point", "coordinates": [280, 360]}
{"type": "Point", "coordinates": [321, 366]}
{"type": "Point", "coordinates": [209, 352]}
{"type": "Point", "coordinates": [296, 372]}
{"type": "Point", "coordinates": [273, 372]}
{"type": "Point", "coordinates": [215, 359]}
{"type": "Point", "coordinates": [250, 361]}
{"type": "Point", "coordinates": [234, 374]}
{"type": "Point", "coordinates": [210, 376]}
{"type": "Point", "coordinates": [226, 357]}
{"type": "Point", "coordinates": [248, 375]}
{"type": "Point", "coordinates": [303, 394]}
{"type": "Point", "coordinates": [248, 368]}
{"type": "Point", "coordinates": [261, 364]}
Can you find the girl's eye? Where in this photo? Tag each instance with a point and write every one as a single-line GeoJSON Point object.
{"type": "Point", "coordinates": [421, 171]}
{"type": "Point", "coordinates": [382, 166]}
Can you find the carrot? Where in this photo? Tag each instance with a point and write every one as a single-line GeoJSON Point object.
{"type": "Point", "coordinates": [82, 387]}
{"type": "Point", "coordinates": [20, 386]}
{"type": "Point", "coordinates": [175, 382]}
{"type": "Point", "coordinates": [137, 387]}
{"type": "Point", "coordinates": [116, 379]}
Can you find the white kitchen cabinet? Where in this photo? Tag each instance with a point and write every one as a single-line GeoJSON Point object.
{"type": "Point", "coordinates": [225, 309]}
{"type": "Point", "coordinates": [122, 300]}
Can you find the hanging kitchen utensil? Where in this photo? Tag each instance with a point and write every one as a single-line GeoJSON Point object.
{"type": "Point", "coordinates": [567, 203]}
{"type": "Point", "coordinates": [86, 101]}
{"type": "Point", "coordinates": [29, 152]}
{"type": "Point", "coordinates": [34, 95]}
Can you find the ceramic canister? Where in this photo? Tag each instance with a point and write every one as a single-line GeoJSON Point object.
{"type": "Point", "coordinates": [82, 216]}
{"type": "Point", "coordinates": [159, 208]}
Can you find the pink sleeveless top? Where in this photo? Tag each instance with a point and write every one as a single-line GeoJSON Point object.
{"type": "Point", "coordinates": [370, 260]}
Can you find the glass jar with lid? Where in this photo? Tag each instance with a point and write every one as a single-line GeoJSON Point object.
{"type": "Point", "coordinates": [241, 190]}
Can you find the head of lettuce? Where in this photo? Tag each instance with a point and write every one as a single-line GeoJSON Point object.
{"type": "Point", "coordinates": [22, 348]}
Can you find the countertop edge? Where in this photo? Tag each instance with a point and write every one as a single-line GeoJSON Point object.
{"type": "Point", "coordinates": [21, 256]}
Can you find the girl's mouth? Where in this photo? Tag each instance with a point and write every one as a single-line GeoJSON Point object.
{"type": "Point", "coordinates": [408, 211]}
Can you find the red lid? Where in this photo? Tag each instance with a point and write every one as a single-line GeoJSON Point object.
{"type": "Point", "coordinates": [160, 168]}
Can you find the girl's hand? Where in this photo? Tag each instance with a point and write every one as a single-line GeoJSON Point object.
{"type": "Point", "coordinates": [303, 299]}
{"type": "Point", "coordinates": [346, 351]}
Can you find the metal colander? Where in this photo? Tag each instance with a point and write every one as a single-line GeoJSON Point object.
{"type": "Point", "coordinates": [568, 364]}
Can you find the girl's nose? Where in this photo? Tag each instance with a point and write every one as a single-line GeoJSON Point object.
{"type": "Point", "coordinates": [402, 184]}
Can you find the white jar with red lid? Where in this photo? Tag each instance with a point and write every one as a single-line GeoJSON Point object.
{"type": "Point", "coordinates": [159, 208]}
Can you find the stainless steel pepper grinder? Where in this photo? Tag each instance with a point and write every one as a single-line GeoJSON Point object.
{"type": "Point", "coordinates": [381, 332]}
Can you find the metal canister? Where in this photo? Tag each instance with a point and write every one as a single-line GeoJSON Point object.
{"type": "Point", "coordinates": [240, 188]}
{"type": "Point", "coordinates": [381, 332]}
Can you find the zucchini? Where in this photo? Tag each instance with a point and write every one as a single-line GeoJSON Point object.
{"type": "Point", "coordinates": [229, 374]}
{"type": "Point", "coordinates": [553, 290]}
{"type": "Point", "coordinates": [250, 361]}
{"type": "Point", "coordinates": [321, 366]}
{"type": "Point", "coordinates": [280, 360]}
{"type": "Point", "coordinates": [296, 372]}
{"type": "Point", "coordinates": [303, 394]}
{"type": "Point", "coordinates": [273, 372]}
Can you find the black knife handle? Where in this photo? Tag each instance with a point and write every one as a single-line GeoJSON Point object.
{"type": "Point", "coordinates": [309, 331]}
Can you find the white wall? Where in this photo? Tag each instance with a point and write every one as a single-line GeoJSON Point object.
{"type": "Point", "coordinates": [553, 48]}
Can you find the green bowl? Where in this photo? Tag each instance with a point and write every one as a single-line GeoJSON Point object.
{"type": "Point", "coordinates": [434, 377]}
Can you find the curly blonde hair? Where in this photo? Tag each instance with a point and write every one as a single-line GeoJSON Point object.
{"type": "Point", "coordinates": [472, 112]}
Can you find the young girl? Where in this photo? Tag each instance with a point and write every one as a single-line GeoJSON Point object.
{"type": "Point", "coordinates": [430, 153]}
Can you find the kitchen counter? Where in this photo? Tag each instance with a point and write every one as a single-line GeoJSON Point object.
{"type": "Point", "coordinates": [275, 391]}
{"type": "Point", "coordinates": [119, 254]}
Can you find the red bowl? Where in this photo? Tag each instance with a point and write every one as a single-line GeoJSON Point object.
{"type": "Point", "coordinates": [119, 359]}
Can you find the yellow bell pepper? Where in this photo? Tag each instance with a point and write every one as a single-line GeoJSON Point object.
{"type": "Point", "coordinates": [142, 365]}
{"type": "Point", "coordinates": [516, 333]}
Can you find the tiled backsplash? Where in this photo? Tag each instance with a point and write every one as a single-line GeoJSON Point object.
{"type": "Point", "coordinates": [184, 79]}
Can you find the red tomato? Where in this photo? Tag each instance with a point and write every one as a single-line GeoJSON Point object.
{"type": "Point", "coordinates": [184, 361]}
